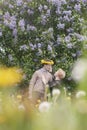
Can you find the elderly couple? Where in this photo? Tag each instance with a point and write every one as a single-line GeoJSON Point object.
{"type": "Point", "coordinates": [42, 79]}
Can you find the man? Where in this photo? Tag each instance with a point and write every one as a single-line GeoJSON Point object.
{"type": "Point", "coordinates": [40, 80]}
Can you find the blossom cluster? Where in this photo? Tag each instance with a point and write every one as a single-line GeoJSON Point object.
{"type": "Point", "coordinates": [51, 29]}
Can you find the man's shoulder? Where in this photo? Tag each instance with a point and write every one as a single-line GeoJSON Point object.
{"type": "Point", "coordinates": [38, 71]}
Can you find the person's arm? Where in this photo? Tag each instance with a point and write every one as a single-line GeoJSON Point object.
{"type": "Point", "coordinates": [32, 83]}
{"type": "Point", "coordinates": [54, 82]}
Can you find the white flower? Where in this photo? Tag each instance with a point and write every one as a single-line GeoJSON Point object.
{"type": "Point", "coordinates": [80, 94]}
{"type": "Point", "coordinates": [21, 107]}
{"type": "Point", "coordinates": [56, 92]}
{"type": "Point", "coordinates": [79, 69]}
{"type": "Point", "coordinates": [44, 106]}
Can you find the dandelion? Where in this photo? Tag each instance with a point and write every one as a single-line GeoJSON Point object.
{"type": "Point", "coordinates": [44, 106]}
{"type": "Point", "coordinates": [21, 107]}
{"type": "Point", "coordinates": [80, 94]}
{"type": "Point", "coordinates": [79, 69]}
{"type": "Point", "coordinates": [56, 92]}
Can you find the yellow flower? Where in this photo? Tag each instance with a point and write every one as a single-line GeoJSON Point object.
{"type": "Point", "coordinates": [68, 98]}
{"type": "Point", "coordinates": [36, 105]}
{"type": "Point", "coordinates": [9, 76]}
{"type": "Point", "coordinates": [19, 97]}
{"type": "Point", "coordinates": [2, 119]}
{"type": "Point", "coordinates": [39, 101]}
{"type": "Point", "coordinates": [50, 62]}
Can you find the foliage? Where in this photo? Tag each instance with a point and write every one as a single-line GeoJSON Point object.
{"type": "Point", "coordinates": [31, 30]}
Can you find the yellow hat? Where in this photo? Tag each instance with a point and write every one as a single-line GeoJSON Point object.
{"type": "Point", "coordinates": [49, 62]}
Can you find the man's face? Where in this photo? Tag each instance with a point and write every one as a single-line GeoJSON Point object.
{"type": "Point", "coordinates": [48, 68]}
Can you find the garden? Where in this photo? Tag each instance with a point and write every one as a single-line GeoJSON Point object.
{"type": "Point", "coordinates": [32, 30]}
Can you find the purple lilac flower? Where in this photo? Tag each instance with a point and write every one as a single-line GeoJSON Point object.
{"type": "Point", "coordinates": [6, 15]}
{"type": "Point", "coordinates": [56, 2]}
{"type": "Point", "coordinates": [49, 48]}
{"type": "Point", "coordinates": [40, 8]}
{"type": "Point", "coordinates": [60, 18]}
{"type": "Point", "coordinates": [10, 57]}
{"type": "Point", "coordinates": [12, 24]}
{"type": "Point", "coordinates": [84, 2]}
{"type": "Point", "coordinates": [11, 6]}
{"type": "Point", "coordinates": [24, 4]}
{"type": "Point", "coordinates": [63, 2]}
{"type": "Point", "coordinates": [21, 24]}
{"type": "Point", "coordinates": [37, 39]}
{"type": "Point", "coordinates": [69, 45]}
{"type": "Point", "coordinates": [78, 0]}
{"type": "Point", "coordinates": [5, 2]}
{"type": "Point", "coordinates": [29, 0]}
{"type": "Point", "coordinates": [59, 40]}
{"type": "Point", "coordinates": [58, 10]}
{"type": "Point", "coordinates": [72, 0]}
{"type": "Point", "coordinates": [79, 53]}
{"type": "Point", "coordinates": [33, 47]}
{"type": "Point", "coordinates": [0, 34]}
{"type": "Point", "coordinates": [69, 7]}
{"type": "Point", "coordinates": [30, 12]}
{"type": "Point", "coordinates": [69, 12]}
{"type": "Point", "coordinates": [73, 54]}
{"type": "Point", "coordinates": [10, 21]}
{"type": "Point", "coordinates": [23, 47]}
{"type": "Point", "coordinates": [43, 19]}
{"type": "Point", "coordinates": [67, 39]}
{"type": "Point", "coordinates": [48, 13]}
{"type": "Point", "coordinates": [15, 32]}
{"type": "Point", "coordinates": [39, 45]}
{"type": "Point", "coordinates": [19, 2]}
{"type": "Point", "coordinates": [45, 7]}
{"type": "Point", "coordinates": [31, 28]}
{"type": "Point", "coordinates": [70, 30]}
{"type": "Point", "coordinates": [66, 18]}
{"type": "Point", "coordinates": [77, 7]}
{"type": "Point", "coordinates": [61, 26]}
{"type": "Point", "coordinates": [80, 37]}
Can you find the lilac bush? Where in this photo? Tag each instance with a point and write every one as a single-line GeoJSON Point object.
{"type": "Point", "coordinates": [34, 29]}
